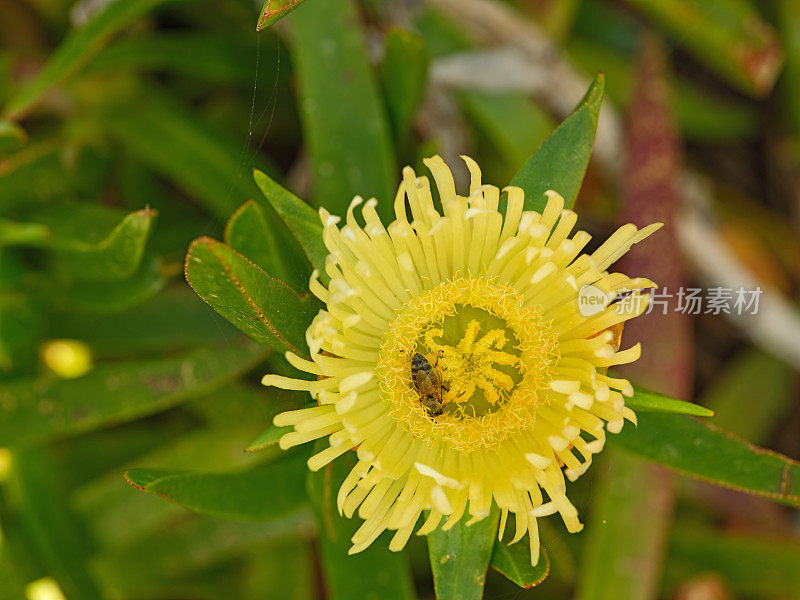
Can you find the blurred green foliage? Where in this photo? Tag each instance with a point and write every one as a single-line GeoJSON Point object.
{"type": "Point", "coordinates": [130, 128]}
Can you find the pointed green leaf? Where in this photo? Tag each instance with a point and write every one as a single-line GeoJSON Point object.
{"type": "Point", "coordinates": [269, 437]}
{"type": "Point", "coordinates": [263, 307]}
{"type": "Point", "coordinates": [706, 452]}
{"type": "Point", "coordinates": [561, 161]}
{"type": "Point", "coordinates": [404, 75]}
{"type": "Point", "coordinates": [32, 409]}
{"type": "Point", "coordinates": [461, 556]}
{"type": "Point", "coordinates": [79, 47]}
{"type": "Point", "coordinates": [647, 401]}
{"type": "Point", "coordinates": [265, 492]}
{"type": "Point", "coordinates": [514, 562]}
{"type": "Point", "coordinates": [346, 131]}
{"type": "Point", "coordinates": [118, 255]}
{"type": "Point", "coordinates": [249, 233]}
{"type": "Point", "coordinates": [274, 10]}
{"type": "Point", "coordinates": [300, 218]}
{"type": "Point", "coordinates": [373, 573]}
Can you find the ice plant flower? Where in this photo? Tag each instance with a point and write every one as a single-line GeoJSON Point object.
{"type": "Point", "coordinates": [490, 298]}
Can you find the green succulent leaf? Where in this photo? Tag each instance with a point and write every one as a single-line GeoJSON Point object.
{"type": "Point", "coordinates": [263, 307]}
{"type": "Point", "coordinates": [346, 130]}
{"type": "Point", "coordinates": [115, 257]}
{"type": "Point", "coordinates": [249, 233]}
{"type": "Point", "coordinates": [647, 401]}
{"type": "Point", "coordinates": [460, 557]}
{"type": "Point", "coordinates": [561, 161]}
{"type": "Point", "coordinates": [706, 452]}
{"type": "Point", "coordinates": [274, 10]}
{"type": "Point", "coordinates": [514, 561]}
{"type": "Point", "coordinates": [265, 492]}
{"type": "Point", "coordinates": [270, 436]}
{"type": "Point", "coordinates": [300, 218]}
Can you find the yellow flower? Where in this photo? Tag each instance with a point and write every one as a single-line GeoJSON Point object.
{"type": "Point", "coordinates": [490, 297]}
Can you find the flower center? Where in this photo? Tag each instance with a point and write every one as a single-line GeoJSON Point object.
{"type": "Point", "coordinates": [490, 356]}
{"type": "Point", "coordinates": [480, 369]}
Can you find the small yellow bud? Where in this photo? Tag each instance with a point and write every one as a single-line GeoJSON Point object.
{"type": "Point", "coordinates": [44, 589]}
{"type": "Point", "coordinates": [67, 358]}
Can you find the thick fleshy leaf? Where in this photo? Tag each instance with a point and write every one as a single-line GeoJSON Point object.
{"type": "Point", "coordinates": [270, 436]}
{"type": "Point", "coordinates": [346, 131]}
{"type": "Point", "coordinates": [374, 573]}
{"type": "Point", "coordinates": [248, 232]}
{"type": "Point", "coordinates": [514, 562]}
{"type": "Point", "coordinates": [460, 557]}
{"type": "Point", "coordinates": [265, 492]}
{"type": "Point", "coordinates": [561, 161]}
{"type": "Point", "coordinates": [299, 217]}
{"type": "Point", "coordinates": [32, 410]}
{"type": "Point", "coordinates": [706, 452]}
{"type": "Point", "coordinates": [274, 10]}
{"type": "Point", "coordinates": [51, 528]}
{"type": "Point", "coordinates": [647, 401]}
{"type": "Point", "coordinates": [404, 73]}
{"type": "Point", "coordinates": [79, 47]}
{"type": "Point", "coordinates": [263, 307]}
{"type": "Point", "coordinates": [115, 257]}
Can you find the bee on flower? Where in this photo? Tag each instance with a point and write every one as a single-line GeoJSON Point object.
{"type": "Point", "coordinates": [491, 294]}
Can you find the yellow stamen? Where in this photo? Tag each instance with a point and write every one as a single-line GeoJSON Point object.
{"type": "Point", "coordinates": [473, 363]}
